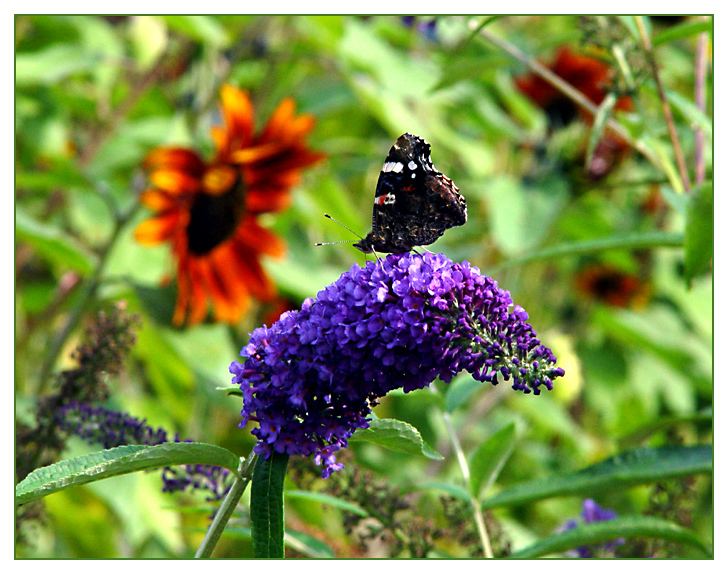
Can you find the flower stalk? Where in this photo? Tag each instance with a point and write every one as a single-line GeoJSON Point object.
{"type": "Point", "coordinates": [666, 111]}
{"type": "Point", "coordinates": [465, 471]}
{"type": "Point", "coordinates": [223, 514]}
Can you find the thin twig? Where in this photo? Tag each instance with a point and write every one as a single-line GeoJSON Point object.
{"type": "Point", "coordinates": [465, 471]}
{"type": "Point", "coordinates": [666, 111]}
{"type": "Point", "coordinates": [701, 72]}
{"type": "Point", "coordinates": [568, 90]}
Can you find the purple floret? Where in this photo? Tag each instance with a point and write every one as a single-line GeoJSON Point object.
{"type": "Point", "coordinates": [311, 379]}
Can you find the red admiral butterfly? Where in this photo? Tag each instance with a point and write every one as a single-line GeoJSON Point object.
{"type": "Point", "coordinates": [414, 203]}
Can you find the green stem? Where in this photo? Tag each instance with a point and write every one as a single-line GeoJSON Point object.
{"type": "Point", "coordinates": [465, 471]}
{"type": "Point", "coordinates": [223, 514]}
{"type": "Point", "coordinates": [666, 111]}
{"type": "Point", "coordinates": [85, 297]}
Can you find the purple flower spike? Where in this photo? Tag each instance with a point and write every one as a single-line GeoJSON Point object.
{"type": "Point", "coordinates": [592, 512]}
{"type": "Point", "coordinates": [311, 378]}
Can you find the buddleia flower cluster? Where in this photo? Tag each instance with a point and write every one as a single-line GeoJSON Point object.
{"type": "Point", "coordinates": [109, 428]}
{"type": "Point", "coordinates": [311, 379]}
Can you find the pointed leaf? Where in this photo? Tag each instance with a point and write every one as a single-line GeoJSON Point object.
{"type": "Point", "coordinates": [683, 30]}
{"type": "Point", "coordinates": [489, 458]}
{"type": "Point", "coordinates": [609, 530]}
{"type": "Point", "coordinates": [117, 461]}
{"type": "Point", "coordinates": [639, 466]}
{"type": "Point", "coordinates": [327, 499]}
{"type": "Point", "coordinates": [266, 506]}
{"type": "Point", "coordinates": [52, 243]}
{"type": "Point", "coordinates": [396, 435]}
{"type": "Point", "coordinates": [699, 232]}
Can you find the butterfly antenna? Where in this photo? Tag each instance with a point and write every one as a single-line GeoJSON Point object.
{"type": "Point", "coordinates": [349, 229]}
{"type": "Point", "coordinates": [320, 243]}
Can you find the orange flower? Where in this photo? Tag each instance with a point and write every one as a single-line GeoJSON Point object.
{"type": "Point", "coordinates": [207, 211]}
{"type": "Point", "coordinates": [590, 77]}
{"type": "Point", "coordinates": [612, 286]}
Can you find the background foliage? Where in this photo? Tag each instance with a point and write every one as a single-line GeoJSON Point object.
{"type": "Point", "coordinates": [95, 94]}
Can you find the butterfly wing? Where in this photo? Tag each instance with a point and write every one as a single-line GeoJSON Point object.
{"type": "Point", "coordinates": [413, 203]}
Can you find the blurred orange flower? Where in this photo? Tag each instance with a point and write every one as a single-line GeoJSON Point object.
{"type": "Point", "coordinates": [612, 286]}
{"type": "Point", "coordinates": [208, 211]}
{"type": "Point", "coordinates": [591, 77]}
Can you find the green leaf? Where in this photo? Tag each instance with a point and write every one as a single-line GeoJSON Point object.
{"type": "Point", "coordinates": [308, 545]}
{"type": "Point", "coordinates": [692, 113]}
{"type": "Point", "coordinates": [603, 532]}
{"type": "Point", "coordinates": [326, 499]}
{"type": "Point", "coordinates": [489, 458]}
{"type": "Point", "coordinates": [54, 63]}
{"type": "Point", "coordinates": [460, 390]}
{"type": "Point", "coordinates": [117, 461]}
{"type": "Point", "coordinates": [600, 122]}
{"type": "Point", "coordinates": [299, 541]}
{"type": "Point", "coordinates": [639, 466]}
{"type": "Point", "coordinates": [203, 28]}
{"type": "Point", "coordinates": [396, 435]}
{"type": "Point", "coordinates": [52, 243]}
{"type": "Point", "coordinates": [637, 240]}
{"type": "Point", "coordinates": [684, 30]}
{"type": "Point", "coordinates": [699, 232]}
{"type": "Point", "coordinates": [266, 506]}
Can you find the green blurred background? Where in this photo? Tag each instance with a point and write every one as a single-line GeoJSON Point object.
{"type": "Point", "coordinates": [95, 94]}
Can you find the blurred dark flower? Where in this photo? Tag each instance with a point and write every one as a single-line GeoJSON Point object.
{"type": "Point", "coordinates": [592, 512]}
{"type": "Point", "coordinates": [612, 286]}
{"type": "Point", "coordinates": [109, 428]}
{"type": "Point", "coordinates": [428, 28]}
{"type": "Point", "coordinates": [311, 379]}
{"type": "Point", "coordinates": [592, 78]}
{"type": "Point", "coordinates": [208, 211]}
{"type": "Point", "coordinates": [102, 351]}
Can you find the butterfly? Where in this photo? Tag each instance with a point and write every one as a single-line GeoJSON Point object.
{"type": "Point", "coordinates": [414, 203]}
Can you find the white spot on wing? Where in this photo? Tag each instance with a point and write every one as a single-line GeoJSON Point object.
{"type": "Point", "coordinates": [394, 166]}
{"type": "Point", "coordinates": [412, 165]}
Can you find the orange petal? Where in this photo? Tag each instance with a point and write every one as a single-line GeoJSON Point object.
{"type": "Point", "coordinates": [259, 239]}
{"type": "Point", "coordinates": [267, 200]}
{"type": "Point", "coordinates": [256, 153]}
{"type": "Point", "coordinates": [174, 181]}
{"type": "Point", "coordinates": [157, 229]}
{"type": "Point", "coordinates": [177, 158]}
{"type": "Point", "coordinates": [157, 200]}
{"type": "Point", "coordinates": [251, 273]}
{"type": "Point", "coordinates": [277, 123]}
{"type": "Point", "coordinates": [198, 297]}
{"type": "Point", "coordinates": [238, 114]}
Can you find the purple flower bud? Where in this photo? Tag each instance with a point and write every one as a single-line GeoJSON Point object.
{"type": "Point", "coordinates": [311, 378]}
{"type": "Point", "coordinates": [592, 512]}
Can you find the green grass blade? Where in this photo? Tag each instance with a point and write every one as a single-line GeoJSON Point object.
{"type": "Point", "coordinates": [603, 532]}
{"type": "Point", "coordinates": [637, 466]}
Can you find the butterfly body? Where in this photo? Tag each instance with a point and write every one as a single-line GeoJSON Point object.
{"type": "Point", "coordinates": [414, 203]}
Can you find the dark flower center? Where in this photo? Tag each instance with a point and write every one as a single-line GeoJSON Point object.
{"type": "Point", "coordinates": [560, 112]}
{"type": "Point", "coordinates": [216, 212]}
